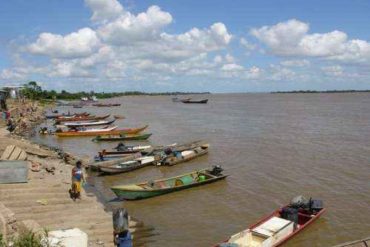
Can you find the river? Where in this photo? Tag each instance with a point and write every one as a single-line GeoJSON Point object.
{"type": "Point", "coordinates": [273, 146]}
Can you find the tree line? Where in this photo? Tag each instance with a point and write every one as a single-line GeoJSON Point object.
{"type": "Point", "coordinates": [33, 90]}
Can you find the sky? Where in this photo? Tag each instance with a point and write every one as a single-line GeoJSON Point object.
{"type": "Point", "coordinates": [186, 45]}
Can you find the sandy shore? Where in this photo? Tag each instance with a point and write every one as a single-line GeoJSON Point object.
{"type": "Point", "coordinates": [44, 202]}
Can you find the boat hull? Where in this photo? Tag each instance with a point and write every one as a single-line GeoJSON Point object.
{"type": "Point", "coordinates": [134, 194]}
{"type": "Point", "coordinates": [100, 133]}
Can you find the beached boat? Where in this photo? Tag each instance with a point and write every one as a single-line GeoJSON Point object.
{"type": "Point", "coordinates": [84, 124]}
{"type": "Point", "coordinates": [79, 118]}
{"type": "Point", "coordinates": [175, 157]}
{"type": "Point", "coordinates": [168, 185]}
{"type": "Point", "coordinates": [129, 165]}
{"type": "Point", "coordinates": [188, 101]}
{"type": "Point", "coordinates": [280, 226]}
{"type": "Point", "coordinates": [99, 132]}
{"type": "Point", "coordinates": [122, 137]}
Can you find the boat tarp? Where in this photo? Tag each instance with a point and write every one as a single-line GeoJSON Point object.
{"type": "Point", "coordinates": [13, 172]}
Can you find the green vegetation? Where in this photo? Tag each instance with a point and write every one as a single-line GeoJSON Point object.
{"type": "Point", "coordinates": [27, 239]}
{"type": "Point", "coordinates": [33, 91]}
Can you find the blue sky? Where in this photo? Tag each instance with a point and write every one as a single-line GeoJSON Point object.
{"type": "Point", "coordinates": [217, 46]}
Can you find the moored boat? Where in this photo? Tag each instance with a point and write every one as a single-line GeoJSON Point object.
{"type": "Point", "coordinates": [56, 115]}
{"type": "Point", "coordinates": [129, 165]}
{"type": "Point", "coordinates": [167, 185]}
{"type": "Point", "coordinates": [84, 124]}
{"type": "Point", "coordinates": [79, 118]}
{"type": "Point", "coordinates": [175, 157]}
{"type": "Point", "coordinates": [99, 132]}
{"type": "Point", "coordinates": [280, 226]}
{"type": "Point", "coordinates": [122, 137]}
{"type": "Point", "coordinates": [189, 101]}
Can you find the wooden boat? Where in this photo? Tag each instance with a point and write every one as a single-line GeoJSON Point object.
{"type": "Point", "coordinates": [188, 101]}
{"type": "Point", "coordinates": [51, 116]}
{"type": "Point", "coordinates": [122, 137]}
{"type": "Point", "coordinates": [278, 227]}
{"type": "Point", "coordinates": [129, 165]}
{"type": "Point", "coordinates": [83, 124]}
{"type": "Point", "coordinates": [95, 166]}
{"type": "Point", "coordinates": [80, 118]}
{"type": "Point", "coordinates": [99, 132]}
{"type": "Point", "coordinates": [109, 155]}
{"type": "Point", "coordinates": [175, 157]}
{"type": "Point", "coordinates": [105, 105]}
{"type": "Point", "coordinates": [168, 185]}
{"type": "Point", "coordinates": [118, 117]}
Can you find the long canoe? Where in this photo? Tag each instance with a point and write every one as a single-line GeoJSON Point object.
{"type": "Point", "coordinates": [176, 157]}
{"type": "Point", "coordinates": [167, 185]}
{"type": "Point", "coordinates": [100, 132]}
{"type": "Point", "coordinates": [122, 137]}
{"type": "Point", "coordinates": [278, 227]}
{"type": "Point", "coordinates": [129, 165]}
{"type": "Point", "coordinates": [81, 118]}
{"type": "Point", "coordinates": [84, 124]}
{"type": "Point", "coordinates": [106, 105]}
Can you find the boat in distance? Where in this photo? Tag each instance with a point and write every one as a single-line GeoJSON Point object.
{"type": "Point", "coordinates": [189, 101]}
{"type": "Point", "coordinates": [99, 132]}
{"type": "Point", "coordinates": [122, 137]}
{"type": "Point", "coordinates": [84, 124]}
{"type": "Point", "coordinates": [106, 105]}
{"type": "Point", "coordinates": [167, 185]}
{"type": "Point", "coordinates": [280, 226]}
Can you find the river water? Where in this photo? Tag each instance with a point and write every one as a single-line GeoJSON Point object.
{"type": "Point", "coordinates": [273, 146]}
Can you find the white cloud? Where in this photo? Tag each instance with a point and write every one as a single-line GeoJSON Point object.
{"type": "Point", "coordinates": [247, 45]}
{"type": "Point", "coordinates": [104, 10]}
{"type": "Point", "coordinates": [77, 44]}
{"type": "Point", "coordinates": [291, 38]}
{"type": "Point", "coordinates": [232, 67]}
{"type": "Point", "coordinates": [296, 63]}
{"type": "Point", "coordinates": [335, 70]}
{"type": "Point", "coordinates": [129, 28]}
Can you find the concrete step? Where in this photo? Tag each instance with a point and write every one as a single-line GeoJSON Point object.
{"type": "Point", "coordinates": [14, 203]}
{"type": "Point", "coordinates": [55, 207]}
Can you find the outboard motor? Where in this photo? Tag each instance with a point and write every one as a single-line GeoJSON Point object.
{"type": "Point", "coordinates": [315, 205]}
{"type": "Point", "coordinates": [120, 147]}
{"type": "Point", "coordinates": [122, 236]}
{"type": "Point", "coordinates": [216, 170]}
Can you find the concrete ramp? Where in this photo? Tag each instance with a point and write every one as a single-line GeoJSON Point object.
{"type": "Point", "coordinates": [13, 172]}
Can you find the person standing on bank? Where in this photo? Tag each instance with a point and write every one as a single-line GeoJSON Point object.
{"type": "Point", "coordinates": [77, 179]}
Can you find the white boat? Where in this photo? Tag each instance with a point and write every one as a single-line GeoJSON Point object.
{"type": "Point", "coordinates": [84, 123]}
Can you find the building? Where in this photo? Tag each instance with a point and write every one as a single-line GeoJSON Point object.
{"type": "Point", "coordinates": [14, 92]}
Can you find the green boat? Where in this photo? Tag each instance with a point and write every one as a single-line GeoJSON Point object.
{"type": "Point", "coordinates": [163, 186]}
{"type": "Point", "coordinates": [122, 137]}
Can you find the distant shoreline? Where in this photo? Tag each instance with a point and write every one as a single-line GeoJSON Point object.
{"type": "Point", "coordinates": [327, 91]}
